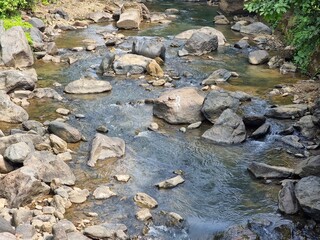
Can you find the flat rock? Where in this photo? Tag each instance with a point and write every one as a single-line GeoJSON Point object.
{"type": "Point", "coordinates": [64, 131]}
{"type": "Point", "coordinates": [261, 131]}
{"type": "Point", "coordinates": [12, 80]}
{"type": "Point", "coordinates": [218, 76]}
{"type": "Point", "coordinates": [287, 111]}
{"type": "Point", "coordinates": [256, 28]}
{"type": "Point", "coordinates": [145, 201]}
{"type": "Point", "coordinates": [88, 86]}
{"type": "Point", "coordinates": [103, 192]}
{"type": "Point", "coordinates": [258, 57]}
{"type": "Point", "coordinates": [100, 17]}
{"type": "Point", "coordinates": [262, 170]}
{"type": "Point", "coordinates": [292, 141]}
{"type": "Point", "coordinates": [78, 195]}
{"type": "Point", "coordinates": [144, 214]}
{"type": "Point", "coordinates": [122, 178]}
{"type": "Point", "coordinates": [309, 167]}
{"type": "Point", "coordinates": [46, 93]}
{"type": "Point", "coordinates": [10, 112]}
{"type": "Point", "coordinates": [170, 183]}
{"type": "Point", "coordinates": [131, 63]}
{"type": "Point", "coordinates": [288, 202]}
{"type": "Point", "coordinates": [104, 147]}
{"type": "Point", "coordinates": [63, 111]}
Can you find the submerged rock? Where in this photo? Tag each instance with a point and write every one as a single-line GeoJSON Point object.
{"type": "Point", "coordinates": [88, 86]}
{"type": "Point", "coordinates": [170, 183]}
{"type": "Point", "coordinates": [145, 201]}
{"type": "Point", "coordinates": [262, 170]}
{"type": "Point", "coordinates": [10, 112]}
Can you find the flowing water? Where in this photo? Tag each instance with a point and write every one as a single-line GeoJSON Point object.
{"type": "Point", "coordinates": [218, 191]}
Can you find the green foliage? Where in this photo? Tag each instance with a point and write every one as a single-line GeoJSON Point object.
{"type": "Point", "coordinates": [10, 8]}
{"type": "Point", "coordinates": [304, 34]}
{"type": "Point", "coordinates": [17, 21]}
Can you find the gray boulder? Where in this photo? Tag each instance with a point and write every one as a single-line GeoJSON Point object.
{"type": "Point", "coordinates": [37, 23]}
{"type": "Point", "coordinates": [35, 126]}
{"type": "Point", "coordinates": [18, 152]}
{"type": "Point", "coordinates": [37, 39]}
{"type": "Point", "coordinates": [201, 43]}
{"type": "Point", "coordinates": [65, 131]}
{"type": "Point", "coordinates": [306, 125]}
{"type": "Point", "coordinates": [5, 226]}
{"type": "Point", "coordinates": [104, 147]}
{"type": "Point", "coordinates": [10, 112]}
{"type": "Point", "coordinates": [26, 231]}
{"type": "Point", "coordinates": [292, 141]}
{"type": "Point", "coordinates": [256, 28]}
{"type": "Point", "coordinates": [107, 61]}
{"type": "Point", "coordinates": [106, 231]}
{"type": "Point", "coordinates": [11, 80]}
{"type": "Point", "coordinates": [88, 86]}
{"type": "Point", "coordinates": [287, 201]}
{"type": "Point", "coordinates": [316, 111]}
{"type": "Point", "coordinates": [149, 47]}
{"type": "Point", "coordinates": [258, 57]}
{"type": "Point", "coordinates": [179, 106]}
{"type": "Point", "coordinates": [131, 16]}
{"type": "Point", "coordinates": [228, 129]}
{"type": "Point", "coordinates": [307, 191]}
{"type": "Point", "coordinates": [309, 167]}
{"type": "Point", "coordinates": [261, 131]}
{"type": "Point", "coordinates": [131, 63]}
{"type": "Point", "coordinates": [237, 26]}
{"type": "Point", "coordinates": [16, 51]}
{"type": "Point", "coordinates": [216, 102]}
{"type": "Point", "coordinates": [21, 186]}
{"type": "Point", "coordinates": [220, 75]}
{"type": "Point", "coordinates": [287, 111]}
{"type": "Point", "coordinates": [242, 44]}
{"type": "Point", "coordinates": [262, 170]}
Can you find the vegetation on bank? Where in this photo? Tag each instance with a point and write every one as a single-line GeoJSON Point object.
{"type": "Point", "coordinates": [301, 28]}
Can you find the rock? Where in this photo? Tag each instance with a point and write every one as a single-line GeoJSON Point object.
{"type": "Point", "coordinates": [154, 69]}
{"type": "Point", "coordinates": [48, 167]}
{"type": "Point", "coordinates": [122, 178]}
{"type": "Point", "coordinates": [104, 147]}
{"type": "Point", "coordinates": [63, 227]}
{"type": "Point", "coordinates": [143, 214]}
{"type": "Point", "coordinates": [103, 192]}
{"type": "Point", "coordinates": [37, 23]}
{"type": "Point", "coordinates": [5, 167]}
{"type": "Point", "coordinates": [254, 120]}
{"type": "Point", "coordinates": [7, 236]}
{"type": "Point", "coordinates": [106, 231]}
{"type": "Point", "coordinates": [232, 7]}
{"type": "Point", "coordinates": [179, 106]}
{"type": "Point", "coordinates": [242, 44]}
{"type": "Point", "coordinates": [63, 111]}
{"type": "Point", "coordinates": [46, 93]}
{"type": "Point", "coordinates": [221, 20]}
{"type": "Point", "coordinates": [12, 80]}
{"type": "Point", "coordinates": [237, 26]}
{"type": "Point", "coordinates": [216, 102]}
{"type": "Point", "coordinates": [130, 17]}
{"type": "Point", "coordinates": [100, 17]}
{"type": "Point", "coordinates": [308, 167]}
{"type": "Point", "coordinates": [262, 170]}
{"type": "Point", "coordinates": [131, 63]}
{"type": "Point", "coordinates": [107, 62]}
{"type": "Point", "coordinates": [21, 216]}
{"type": "Point", "coordinates": [220, 75]}
{"type": "Point", "coordinates": [87, 86]}
{"type": "Point", "coordinates": [288, 67]}
{"type": "Point", "coordinates": [91, 47]}
{"type": "Point", "coordinates": [19, 194]}
{"type": "Point", "coordinates": [17, 153]}
{"type": "Point", "coordinates": [201, 43]}
{"type": "Point", "coordinates": [64, 131]}
{"type": "Point", "coordinates": [207, 30]}
{"type": "Point", "coordinates": [76, 236]}
{"type": "Point", "coordinates": [170, 183]}
{"type": "Point", "coordinates": [287, 111]}
{"type": "Point", "coordinates": [307, 191]}
{"type": "Point", "coordinates": [292, 141]}
{"type": "Point", "coordinates": [258, 57]}
{"type": "Point", "coordinates": [5, 226]}
{"type": "Point", "coordinates": [16, 51]}
{"type": "Point", "coordinates": [35, 126]}
{"type": "Point", "coordinates": [102, 129]}
{"type": "Point", "coordinates": [78, 195]}
{"type": "Point", "coordinates": [10, 112]}
{"type": "Point", "coordinates": [60, 203]}
{"type": "Point", "coordinates": [275, 62]}
{"type": "Point", "coordinates": [153, 126]}
{"type": "Point", "coordinates": [149, 47]}
{"type": "Point", "coordinates": [261, 131]}
{"type": "Point", "coordinates": [228, 128]}
{"type": "Point", "coordinates": [51, 48]}
{"type": "Point", "coordinates": [306, 125]}
{"type": "Point", "coordinates": [58, 145]}
{"type": "Point", "coordinates": [66, 156]}
{"type": "Point", "coordinates": [288, 202]}
{"type": "Point", "coordinates": [256, 28]}
{"type": "Point", "coordinates": [194, 125]}
{"type": "Point", "coordinates": [26, 231]}
{"type": "Point", "coordinates": [239, 232]}
{"type": "Point", "coordinates": [160, 82]}
{"type": "Point", "coordinates": [145, 201]}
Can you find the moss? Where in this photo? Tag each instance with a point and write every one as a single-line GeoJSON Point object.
{"type": "Point", "coordinates": [17, 21]}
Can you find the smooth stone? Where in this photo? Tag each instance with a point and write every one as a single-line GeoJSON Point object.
{"type": "Point", "coordinates": [144, 214]}
{"type": "Point", "coordinates": [218, 76]}
{"type": "Point", "coordinates": [170, 183]}
{"type": "Point", "coordinates": [58, 144]}
{"type": "Point", "coordinates": [131, 63]}
{"type": "Point", "coordinates": [65, 131]}
{"type": "Point", "coordinates": [88, 86]}
{"type": "Point", "coordinates": [262, 170]}
{"type": "Point", "coordinates": [102, 129]}
{"type": "Point", "coordinates": [194, 125]}
{"type": "Point", "coordinates": [18, 152]}
{"type": "Point", "coordinates": [258, 57]}
{"type": "Point", "coordinates": [78, 195]}
{"type": "Point", "coordinates": [10, 112]}
{"type": "Point", "coordinates": [18, 80]}
{"type": "Point", "coordinates": [256, 28]}
{"type": "Point", "coordinates": [103, 192]}
{"type": "Point", "coordinates": [63, 111]}
{"type": "Point", "coordinates": [145, 201]}
{"type": "Point", "coordinates": [149, 47]}
{"type": "Point", "coordinates": [153, 126]}
{"type": "Point", "coordinates": [122, 178]}
{"type": "Point", "coordinates": [287, 111]}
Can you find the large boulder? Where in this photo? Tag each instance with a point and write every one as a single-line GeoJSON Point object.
{"type": "Point", "coordinates": [216, 102]}
{"type": "Point", "coordinates": [218, 76]}
{"type": "Point", "coordinates": [48, 167]}
{"type": "Point", "coordinates": [258, 57]}
{"type": "Point", "coordinates": [306, 125]}
{"type": "Point", "coordinates": [16, 51]}
{"type": "Point", "coordinates": [256, 28]}
{"type": "Point", "coordinates": [228, 129]}
{"type": "Point", "coordinates": [287, 111]}
{"type": "Point", "coordinates": [65, 131]}
{"type": "Point", "coordinates": [131, 63]}
{"type": "Point", "coordinates": [131, 16]}
{"type": "Point", "coordinates": [262, 170]}
{"type": "Point", "coordinates": [201, 43]}
{"type": "Point", "coordinates": [149, 47]}
{"type": "Point", "coordinates": [307, 191]}
{"type": "Point", "coordinates": [11, 80]}
{"type": "Point", "coordinates": [10, 112]}
{"type": "Point", "coordinates": [17, 153]}
{"type": "Point", "coordinates": [309, 167]}
{"type": "Point", "coordinates": [207, 30]}
{"type": "Point", "coordinates": [179, 106]}
{"type": "Point", "coordinates": [104, 147]}
{"type": "Point", "coordinates": [37, 23]}
{"type": "Point", "coordinates": [21, 186]}
{"type": "Point", "coordinates": [87, 85]}
{"type": "Point", "coordinates": [288, 202]}
{"type": "Point", "coordinates": [232, 6]}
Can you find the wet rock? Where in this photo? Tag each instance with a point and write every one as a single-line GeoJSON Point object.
{"type": "Point", "coordinates": [64, 131]}
{"type": "Point", "coordinates": [242, 44]}
{"type": "Point", "coordinates": [292, 141]}
{"type": "Point", "coordinates": [16, 51]}
{"type": "Point", "coordinates": [143, 214]}
{"type": "Point", "coordinates": [10, 112]}
{"type": "Point", "coordinates": [63, 111]}
{"type": "Point", "coordinates": [102, 129]}
{"type": "Point", "coordinates": [258, 57]}
{"type": "Point", "coordinates": [275, 62]}
{"type": "Point", "coordinates": [46, 93]}
{"type": "Point", "coordinates": [12, 80]}
{"type": "Point", "coordinates": [130, 17]}
{"type": "Point", "coordinates": [154, 69]}
{"type": "Point", "coordinates": [5, 226]}
{"type": "Point", "coordinates": [17, 153]}
{"type": "Point", "coordinates": [149, 47]}
{"type": "Point", "coordinates": [220, 75]}
{"type": "Point", "coordinates": [194, 125]}
{"type": "Point", "coordinates": [306, 125]}
{"type": "Point", "coordinates": [100, 17]}
{"type": "Point", "coordinates": [19, 194]}
{"type": "Point", "coordinates": [221, 20]}
{"type": "Point", "coordinates": [170, 183]}
{"type": "Point", "coordinates": [26, 231]}
{"type": "Point", "coordinates": [309, 167]}
{"type": "Point", "coordinates": [87, 86]}
{"type": "Point", "coordinates": [145, 201]}
{"type": "Point", "coordinates": [105, 231]}
{"type": "Point", "coordinates": [207, 30]}
{"type": "Point", "coordinates": [122, 178]}
{"type": "Point", "coordinates": [201, 43]}
{"type": "Point", "coordinates": [228, 128]}
{"type": "Point", "coordinates": [35, 126]}
{"type": "Point", "coordinates": [107, 61]}
{"type": "Point", "coordinates": [256, 28]}
{"type": "Point", "coordinates": [261, 131]}
{"type": "Point", "coordinates": [103, 192]}
{"type": "Point", "coordinates": [239, 232]}
{"type": "Point", "coordinates": [179, 106]}
{"type": "Point", "coordinates": [104, 147]}
{"type": "Point", "coordinates": [131, 63]}
{"type": "Point", "coordinates": [288, 202]}
{"type": "Point", "coordinates": [254, 120]}
{"type": "Point", "coordinates": [287, 111]}
{"type": "Point", "coordinates": [78, 195]}
{"type": "Point", "coordinates": [288, 67]}
{"type": "Point", "coordinates": [37, 23]}
{"type": "Point", "coordinates": [307, 191]}
{"type": "Point", "coordinates": [5, 167]}
{"type": "Point", "coordinates": [262, 170]}
{"type": "Point", "coordinates": [237, 26]}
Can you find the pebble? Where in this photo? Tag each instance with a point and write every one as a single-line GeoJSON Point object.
{"type": "Point", "coordinates": [183, 129]}
{"type": "Point", "coordinates": [63, 111]}
{"type": "Point", "coordinates": [103, 192]}
{"type": "Point", "coordinates": [102, 129]}
{"type": "Point", "coordinates": [153, 126]}
{"type": "Point", "coordinates": [80, 116]}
